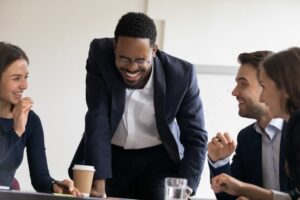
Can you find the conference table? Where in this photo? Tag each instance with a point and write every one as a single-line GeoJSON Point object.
{"type": "Point", "coordinates": [18, 195]}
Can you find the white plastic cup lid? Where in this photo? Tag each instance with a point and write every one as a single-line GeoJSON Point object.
{"type": "Point", "coordinates": [84, 167]}
{"type": "Point", "coordinates": [2, 187]}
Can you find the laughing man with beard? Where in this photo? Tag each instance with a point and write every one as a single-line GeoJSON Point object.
{"type": "Point", "coordinates": [145, 117]}
{"type": "Point", "coordinates": [259, 153]}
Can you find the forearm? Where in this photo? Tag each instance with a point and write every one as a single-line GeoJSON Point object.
{"type": "Point", "coordinates": [254, 192]}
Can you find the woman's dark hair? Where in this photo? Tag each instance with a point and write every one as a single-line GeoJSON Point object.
{"type": "Point", "coordinates": [8, 54]}
{"type": "Point", "coordinates": [292, 148]}
{"type": "Point", "coordinates": [284, 69]}
{"type": "Point", "coordinates": [136, 25]}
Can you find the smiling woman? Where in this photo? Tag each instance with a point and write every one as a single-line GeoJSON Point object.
{"type": "Point", "coordinates": [20, 126]}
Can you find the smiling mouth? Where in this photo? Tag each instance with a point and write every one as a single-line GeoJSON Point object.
{"type": "Point", "coordinates": [131, 77]}
{"type": "Point", "coordinates": [18, 94]}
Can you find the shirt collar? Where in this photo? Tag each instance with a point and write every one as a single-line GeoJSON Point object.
{"type": "Point", "coordinates": [274, 127]}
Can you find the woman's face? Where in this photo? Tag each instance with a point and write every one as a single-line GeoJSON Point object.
{"type": "Point", "coordinates": [273, 97]}
{"type": "Point", "coordinates": [13, 82]}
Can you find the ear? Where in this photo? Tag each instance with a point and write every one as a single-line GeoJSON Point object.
{"type": "Point", "coordinates": [285, 94]}
{"type": "Point", "coordinates": [154, 49]}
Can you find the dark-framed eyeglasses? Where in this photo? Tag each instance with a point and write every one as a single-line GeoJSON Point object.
{"type": "Point", "coordinates": [127, 61]}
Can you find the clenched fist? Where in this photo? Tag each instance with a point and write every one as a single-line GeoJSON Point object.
{"type": "Point", "coordinates": [20, 115]}
{"type": "Point", "coordinates": [221, 146]}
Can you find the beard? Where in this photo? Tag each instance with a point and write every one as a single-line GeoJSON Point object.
{"type": "Point", "coordinates": [252, 112]}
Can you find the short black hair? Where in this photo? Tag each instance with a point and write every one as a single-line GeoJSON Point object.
{"type": "Point", "coordinates": [137, 25]}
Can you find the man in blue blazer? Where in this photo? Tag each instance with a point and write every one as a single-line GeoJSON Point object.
{"type": "Point", "coordinates": [145, 117]}
{"type": "Point", "coordinates": [259, 155]}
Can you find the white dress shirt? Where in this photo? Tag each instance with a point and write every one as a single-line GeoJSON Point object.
{"type": "Point", "coordinates": [277, 195]}
{"type": "Point", "coordinates": [137, 128]}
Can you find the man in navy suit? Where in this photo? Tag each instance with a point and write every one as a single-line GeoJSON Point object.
{"type": "Point", "coordinates": [145, 117]}
{"type": "Point", "coordinates": [259, 155]}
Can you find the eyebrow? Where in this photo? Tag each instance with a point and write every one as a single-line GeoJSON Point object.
{"type": "Point", "coordinates": [131, 59]}
{"type": "Point", "coordinates": [20, 74]}
{"type": "Point", "coordinates": [241, 79]}
{"type": "Point", "coordinates": [120, 56]}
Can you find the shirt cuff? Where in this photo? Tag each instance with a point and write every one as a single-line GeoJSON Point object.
{"type": "Point", "coordinates": [277, 195]}
{"type": "Point", "coordinates": [218, 163]}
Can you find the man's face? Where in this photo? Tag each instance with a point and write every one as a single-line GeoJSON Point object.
{"type": "Point", "coordinates": [247, 92]}
{"type": "Point", "coordinates": [134, 57]}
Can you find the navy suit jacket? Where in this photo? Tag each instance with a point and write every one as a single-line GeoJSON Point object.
{"type": "Point", "coordinates": [247, 162]}
{"type": "Point", "coordinates": [178, 111]}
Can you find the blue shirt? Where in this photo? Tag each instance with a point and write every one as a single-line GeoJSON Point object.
{"type": "Point", "coordinates": [12, 150]}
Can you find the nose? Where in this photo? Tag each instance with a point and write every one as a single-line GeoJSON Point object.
{"type": "Point", "coordinates": [24, 84]}
{"type": "Point", "coordinates": [235, 92]}
{"type": "Point", "coordinates": [132, 67]}
{"type": "Point", "coordinates": [261, 99]}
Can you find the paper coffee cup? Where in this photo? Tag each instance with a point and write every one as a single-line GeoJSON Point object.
{"type": "Point", "coordinates": [83, 178]}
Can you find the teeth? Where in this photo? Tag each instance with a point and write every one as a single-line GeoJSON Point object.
{"type": "Point", "coordinates": [18, 94]}
{"type": "Point", "coordinates": [132, 75]}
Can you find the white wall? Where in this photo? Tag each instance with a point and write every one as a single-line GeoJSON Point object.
{"type": "Point", "coordinates": [216, 31]}
{"type": "Point", "coordinates": [56, 36]}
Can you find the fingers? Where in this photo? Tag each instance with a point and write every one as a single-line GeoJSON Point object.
{"type": "Point", "coordinates": [228, 138]}
{"type": "Point", "coordinates": [218, 183]}
{"type": "Point", "coordinates": [71, 188]}
{"type": "Point", "coordinates": [231, 142]}
{"type": "Point", "coordinates": [24, 105]}
{"type": "Point", "coordinates": [215, 184]}
{"type": "Point", "coordinates": [228, 184]}
{"type": "Point", "coordinates": [69, 184]}
{"type": "Point", "coordinates": [221, 146]}
{"type": "Point", "coordinates": [66, 186]}
{"type": "Point", "coordinates": [25, 101]}
{"type": "Point", "coordinates": [223, 138]}
{"type": "Point", "coordinates": [20, 115]}
{"type": "Point", "coordinates": [57, 189]}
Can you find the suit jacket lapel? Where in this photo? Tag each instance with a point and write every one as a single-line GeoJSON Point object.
{"type": "Point", "coordinates": [159, 107]}
{"type": "Point", "coordinates": [117, 101]}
